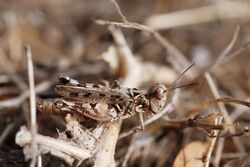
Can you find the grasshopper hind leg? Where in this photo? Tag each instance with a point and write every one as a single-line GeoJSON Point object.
{"type": "Point", "coordinates": [141, 127]}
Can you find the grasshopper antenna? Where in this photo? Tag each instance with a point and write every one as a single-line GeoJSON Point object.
{"type": "Point", "coordinates": [173, 83]}
{"type": "Point", "coordinates": [185, 85]}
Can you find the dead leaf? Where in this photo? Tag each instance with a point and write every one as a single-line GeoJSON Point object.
{"type": "Point", "coordinates": [190, 155]}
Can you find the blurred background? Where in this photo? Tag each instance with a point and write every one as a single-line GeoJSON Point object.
{"type": "Point", "coordinates": [65, 39]}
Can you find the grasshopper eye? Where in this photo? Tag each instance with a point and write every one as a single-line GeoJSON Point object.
{"type": "Point", "coordinates": [158, 91]}
{"type": "Point", "coordinates": [64, 79]}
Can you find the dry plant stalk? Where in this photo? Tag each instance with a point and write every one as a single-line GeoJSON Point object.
{"type": "Point", "coordinates": [216, 11]}
{"type": "Point", "coordinates": [32, 106]}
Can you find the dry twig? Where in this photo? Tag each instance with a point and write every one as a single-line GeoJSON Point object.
{"type": "Point", "coordinates": [179, 61]}
{"type": "Point", "coordinates": [216, 11]}
{"type": "Point", "coordinates": [32, 106]}
{"type": "Point", "coordinates": [8, 67]}
{"type": "Point", "coordinates": [5, 133]}
{"type": "Point", "coordinates": [17, 101]}
{"type": "Point", "coordinates": [207, 157]}
{"type": "Point", "coordinates": [218, 121]}
{"type": "Point", "coordinates": [230, 46]}
{"type": "Point", "coordinates": [222, 58]}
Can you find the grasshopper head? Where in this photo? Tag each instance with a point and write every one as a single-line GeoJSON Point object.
{"type": "Point", "coordinates": [158, 96]}
{"type": "Point", "coordinates": [158, 93]}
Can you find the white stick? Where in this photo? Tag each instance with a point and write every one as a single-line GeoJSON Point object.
{"type": "Point", "coordinates": [32, 105]}
{"type": "Point", "coordinates": [23, 138]}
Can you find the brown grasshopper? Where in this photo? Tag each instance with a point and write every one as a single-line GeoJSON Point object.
{"type": "Point", "coordinates": [113, 102]}
{"type": "Point", "coordinates": [107, 103]}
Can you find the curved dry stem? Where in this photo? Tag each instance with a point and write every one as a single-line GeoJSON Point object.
{"type": "Point", "coordinates": [48, 144]}
{"type": "Point", "coordinates": [134, 76]}
{"type": "Point", "coordinates": [105, 154]}
{"type": "Point", "coordinates": [106, 151]}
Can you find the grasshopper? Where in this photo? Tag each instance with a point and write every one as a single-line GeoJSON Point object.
{"type": "Point", "coordinates": [107, 103]}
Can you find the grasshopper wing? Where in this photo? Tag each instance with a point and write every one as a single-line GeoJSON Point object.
{"type": "Point", "coordinates": [90, 94]}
